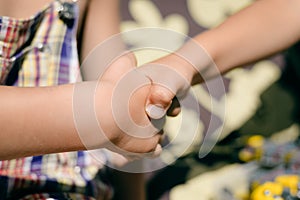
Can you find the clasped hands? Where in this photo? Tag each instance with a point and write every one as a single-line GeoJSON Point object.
{"type": "Point", "coordinates": [132, 104]}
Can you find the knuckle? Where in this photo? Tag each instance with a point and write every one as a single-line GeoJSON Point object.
{"type": "Point", "coordinates": [162, 96]}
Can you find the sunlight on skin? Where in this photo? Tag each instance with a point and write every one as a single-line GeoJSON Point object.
{"type": "Point", "coordinates": [238, 107]}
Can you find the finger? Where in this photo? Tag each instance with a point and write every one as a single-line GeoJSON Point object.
{"type": "Point", "coordinates": [118, 160]}
{"type": "Point", "coordinates": [174, 109]}
{"type": "Point", "coordinates": [159, 101]}
{"type": "Point", "coordinates": [158, 149]}
{"type": "Point", "coordinates": [162, 139]}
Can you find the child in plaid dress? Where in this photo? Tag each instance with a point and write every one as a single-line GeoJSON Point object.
{"type": "Point", "coordinates": [42, 50]}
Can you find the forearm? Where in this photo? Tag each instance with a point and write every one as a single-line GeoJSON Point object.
{"type": "Point", "coordinates": [266, 27]}
{"type": "Point", "coordinates": [38, 121]}
{"type": "Point", "coordinates": [262, 29]}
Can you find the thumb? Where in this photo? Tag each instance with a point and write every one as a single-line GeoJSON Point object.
{"type": "Point", "coordinates": [166, 83]}
{"type": "Point", "coordinates": [159, 101]}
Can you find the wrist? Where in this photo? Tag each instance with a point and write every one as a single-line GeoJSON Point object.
{"type": "Point", "coordinates": [195, 59]}
{"type": "Point", "coordinates": [182, 70]}
{"type": "Point", "coordinates": [88, 98]}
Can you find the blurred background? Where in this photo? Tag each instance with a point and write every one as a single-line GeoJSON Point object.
{"type": "Point", "coordinates": [259, 142]}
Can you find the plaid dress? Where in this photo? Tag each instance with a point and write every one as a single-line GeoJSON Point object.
{"type": "Point", "coordinates": [42, 51]}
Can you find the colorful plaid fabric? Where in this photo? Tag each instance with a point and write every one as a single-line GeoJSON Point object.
{"type": "Point", "coordinates": [60, 196]}
{"type": "Point", "coordinates": [42, 51]}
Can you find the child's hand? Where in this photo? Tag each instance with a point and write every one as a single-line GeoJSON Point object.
{"type": "Point", "coordinates": [166, 84]}
{"type": "Point", "coordinates": [122, 95]}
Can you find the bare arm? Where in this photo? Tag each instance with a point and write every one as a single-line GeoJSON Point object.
{"type": "Point", "coordinates": [40, 120]}
{"type": "Point", "coordinates": [102, 21]}
{"type": "Point", "coordinates": [37, 121]}
{"type": "Point", "coordinates": [262, 29]}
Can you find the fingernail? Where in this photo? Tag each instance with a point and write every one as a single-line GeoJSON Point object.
{"type": "Point", "coordinates": [155, 112]}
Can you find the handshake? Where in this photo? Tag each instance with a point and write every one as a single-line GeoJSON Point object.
{"type": "Point", "coordinates": [130, 105]}
{"type": "Point", "coordinates": [122, 110]}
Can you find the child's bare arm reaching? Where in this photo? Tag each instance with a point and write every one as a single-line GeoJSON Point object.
{"type": "Point", "coordinates": [40, 120]}
{"type": "Point", "coordinates": [262, 29]}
